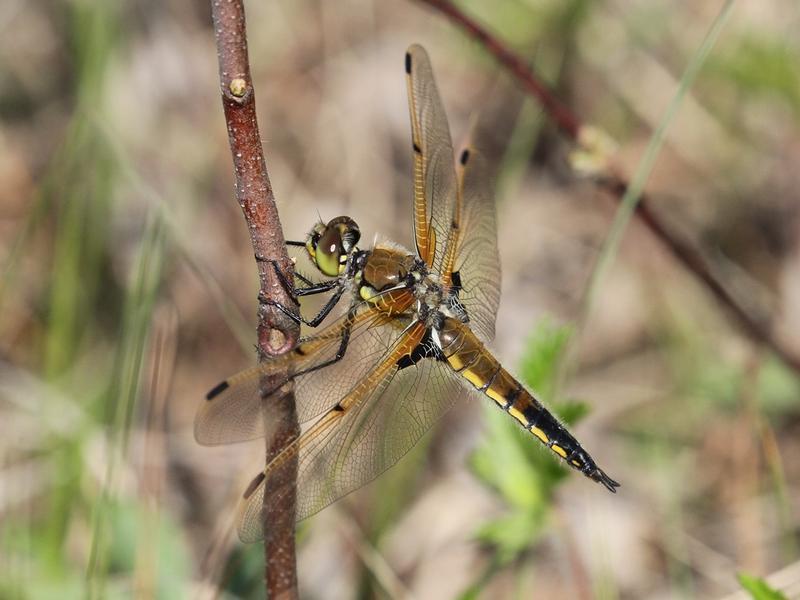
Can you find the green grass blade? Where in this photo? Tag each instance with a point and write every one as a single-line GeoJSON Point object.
{"type": "Point", "coordinates": [758, 588]}
{"type": "Point", "coordinates": [634, 192]}
{"type": "Point", "coordinates": [124, 386]}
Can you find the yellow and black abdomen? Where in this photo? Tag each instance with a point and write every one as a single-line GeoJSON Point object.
{"type": "Point", "coordinates": [468, 357]}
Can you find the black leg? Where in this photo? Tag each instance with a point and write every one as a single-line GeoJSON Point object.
{"type": "Point", "coordinates": [289, 289]}
{"type": "Point", "coordinates": [332, 301]}
{"type": "Point", "coordinates": [340, 352]}
{"type": "Point", "coordinates": [311, 287]}
{"type": "Point", "coordinates": [268, 301]}
{"type": "Point", "coordinates": [317, 288]}
{"type": "Point", "coordinates": [345, 340]}
{"type": "Point", "coordinates": [303, 278]}
{"type": "Point", "coordinates": [299, 318]}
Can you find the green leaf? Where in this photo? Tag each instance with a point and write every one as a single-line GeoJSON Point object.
{"type": "Point", "coordinates": [513, 534]}
{"type": "Point", "coordinates": [778, 387]}
{"type": "Point", "coordinates": [762, 66]}
{"type": "Point", "coordinates": [758, 588]}
{"type": "Point", "coordinates": [572, 411]}
{"type": "Point", "coordinates": [543, 355]}
{"type": "Point", "coordinates": [500, 462]}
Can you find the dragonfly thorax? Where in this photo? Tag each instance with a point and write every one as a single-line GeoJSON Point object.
{"type": "Point", "coordinates": [436, 301]}
{"type": "Point", "coordinates": [382, 269]}
{"type": "Point", "coordinates": [388, 273]}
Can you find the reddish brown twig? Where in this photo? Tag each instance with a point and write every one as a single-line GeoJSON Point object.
{"type": "Point", "coordinates": [276, 333]}
{"type": "Point", "coordinates": [569, 123]}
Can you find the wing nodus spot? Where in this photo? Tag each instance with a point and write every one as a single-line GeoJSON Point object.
{"type": "Point", "coordinates": [217, 390]}
{"type": "Point", "coordinates": [464, 157]}
{"type": "Point", "coordinates": [416, 148]}
{"type": "Point", "coordinates": [338, 408]}
{"type": "Point", "coordinates": [455, 280]}
{"type": "Point", "coordinates": [254, 484]}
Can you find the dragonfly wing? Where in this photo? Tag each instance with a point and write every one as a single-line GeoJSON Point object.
{"type": "Point", "coordinates": [388, 414]}
{"type": "Point", "coordinates": [477, 260]}
{"type": "Point", "coordinates": [434, 171]}
{"type": "Point", "coordinates": [454, 213]}
{"type": "Point", "coordinates": [233, 410]}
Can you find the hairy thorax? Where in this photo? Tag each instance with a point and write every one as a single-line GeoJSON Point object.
{"type": "Point", "coordinates": [397, 281]}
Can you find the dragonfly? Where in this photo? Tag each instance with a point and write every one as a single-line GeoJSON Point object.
{"type": "Point", "coordinates": [411, 345]}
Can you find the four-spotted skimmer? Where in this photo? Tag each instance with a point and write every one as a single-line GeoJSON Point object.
{"type": "Point", "coordinates": [371, 383]}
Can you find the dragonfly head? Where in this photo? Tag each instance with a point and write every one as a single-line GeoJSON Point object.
{"type": "Point", "coordinates": [330, 244]}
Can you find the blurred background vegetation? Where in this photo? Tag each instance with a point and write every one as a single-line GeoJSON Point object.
{"type": "Point", "coordinates": [128, 289]}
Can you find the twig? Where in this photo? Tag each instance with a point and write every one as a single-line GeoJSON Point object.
{"type": "Point", "coordinates": [573, 128]}
{"type": "Point", "coordinates": [276, 333]}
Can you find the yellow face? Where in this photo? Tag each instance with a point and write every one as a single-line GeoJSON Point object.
{"type": "Point", "coordinates": [330, 245]}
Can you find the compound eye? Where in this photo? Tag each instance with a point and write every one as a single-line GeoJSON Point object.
{"type": "Point", "coordinates": [348, 229]}
{"type": "Point", "coordinates": [313, 239]}
{"type": "Point", "coordinates": [350, 237]}
{"type": "Point", "coordinates": [329, 252]}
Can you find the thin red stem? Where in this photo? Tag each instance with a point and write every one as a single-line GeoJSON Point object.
{"type": "Point", "coordinates": [277, 334]}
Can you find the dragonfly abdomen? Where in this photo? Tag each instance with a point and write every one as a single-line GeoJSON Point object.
{"type": "Point", "coordinates": [468, 357]}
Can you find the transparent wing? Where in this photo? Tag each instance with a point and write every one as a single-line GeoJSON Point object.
{"type": "Point", "coordinates": [233, 409]}
{"type": "Point", "coordinates": [381, 422]}
{"type": "Point", "coordinates": [434, 171]}
{"type": "Point", "coordinates": [476, 258]}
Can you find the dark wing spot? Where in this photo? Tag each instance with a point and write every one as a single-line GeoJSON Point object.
{"type": "Point", "coordinates": [338, 408]}
{"type": "Point", "coordinates": [408, 63]}
{"type": "Point", "coordinates": [218, 389]}
{"type": "Point", "coordinates": [455, 278]}
{"type": "Point", "coordinates": [464, 157]}
{"type": "Point", "coordinates": [417, 149]}
{"type": "Point", "coordinates": [254, 484]}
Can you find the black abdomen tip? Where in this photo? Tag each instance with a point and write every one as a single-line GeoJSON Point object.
{"type": "Point", "coordinates": [217, 390]}
{"type": "Point", "coordinates": [408, 63]}
{"type": "Point", "coordinates": [600, 477]}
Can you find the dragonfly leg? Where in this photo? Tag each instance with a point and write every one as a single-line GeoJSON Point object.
{"type": "Point", "coordinates": [310, 288]}
{"type": "Point", "coordinates": [315, 288]}
{"type": "Point", "coordinates": [340, 352]}
{"type": "Point", "coordinates": [304, 279]}
{"type": "Point", "coordinates": [297, 318]}
{"type": "Point", "coordinates": [289, 289]}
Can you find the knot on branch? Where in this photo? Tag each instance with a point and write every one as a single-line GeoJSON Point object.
{"type": "Point", "coordinates": [238, 90]}
{"type": "Point", "coordinates": [272, 341]}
